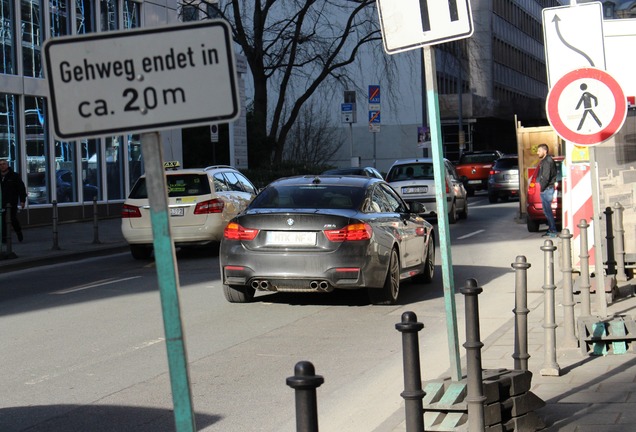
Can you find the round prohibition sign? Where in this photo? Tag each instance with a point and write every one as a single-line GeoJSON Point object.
{"type": "Point", "coordinates": [586, 106]}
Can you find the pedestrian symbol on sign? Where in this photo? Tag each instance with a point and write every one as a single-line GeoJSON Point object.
{"type": "Point", "coordinates": [586, 100]}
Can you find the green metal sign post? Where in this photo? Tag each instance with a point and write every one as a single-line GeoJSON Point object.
{"type": "Point", "coordinates": [165, 263]}
{"type": "Point", "coordinates": [432, 100]}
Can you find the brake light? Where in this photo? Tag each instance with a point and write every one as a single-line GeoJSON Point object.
{"type": "Point", "coordinates": [447, 187]}
{"type": "Point", "coordinates": [234, 231]}
{"type": "Point", "coordinates": [130, 211]}
{"type": "Point", "coordinates": [420, 231]}
{"type": "Point", "coordinates": [352, 232]}
{"type": "Point", "coordinates": [211, 206]}
{"type": "Point", "coordinates": [493, 172]}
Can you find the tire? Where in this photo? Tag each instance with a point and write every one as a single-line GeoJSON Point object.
{"type": "Point", "coordinates": [464, 213]}
{"type": "Point", "coordinates": [452, 214]}
{"type": "Point", "coordinates": [429, 263]}
{"type": "Point", "coordinates": [492, 198]}
{"type": "Point", "coordinates": [388, 294]}
{"type": "Point", "coordinates": [533, 225]}
{"type": "Point", "coordinates": [238, 293]}
{"type": "Point", "coordinates": [140, 252]}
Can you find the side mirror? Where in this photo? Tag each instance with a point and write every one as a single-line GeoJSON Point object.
{"type": "Point", "coordinates": [417, 207]}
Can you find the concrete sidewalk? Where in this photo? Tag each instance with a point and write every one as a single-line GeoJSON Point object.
{"type": "Point", "coordinates": [74, 241]}
{"type": "Point", "coordinates": [592, 392]}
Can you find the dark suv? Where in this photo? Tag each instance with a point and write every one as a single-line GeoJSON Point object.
{"type": "Point", "coordinates": [473, 168]}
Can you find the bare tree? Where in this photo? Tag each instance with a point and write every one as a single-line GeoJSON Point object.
{"type": "Point", "coordinates": [293, 47]}
{"type": "Point", "coordinates": [312, 140]}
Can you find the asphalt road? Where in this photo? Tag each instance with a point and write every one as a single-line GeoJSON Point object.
{"type": "Point", "coordinates": [83, 344]}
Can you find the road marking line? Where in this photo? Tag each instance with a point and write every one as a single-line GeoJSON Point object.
{"type": "Point", "coordinates": [91, 363]}
{"type": "Point", "coordinates": [93, 285]}
{"type": "Point", "coordinates": [470, 235]}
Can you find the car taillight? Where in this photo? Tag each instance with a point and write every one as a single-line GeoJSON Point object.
{"type": "Point", "coordinates": [130, 211]}
{"type": "Point", "coordinates": [234, 231]}
{"type": "Point", "coordinates": [532, 187]}
{"type": "Point", "coordinates": [447, 187]}
{"type": "Point", "coordinates": [210, 206]}
{"type": "Point", "coordinates": [352, 232]}
{"type": "Point", "coordinates": [493, 172]}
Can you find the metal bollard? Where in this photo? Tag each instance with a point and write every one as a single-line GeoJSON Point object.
{"type": "Point", "coordinates": [56, 245]}
{"type": "Point", "coordinates": [521, 311]}
{"type": "Point", "coordinates": [475, 398]}
{"type": "Point", "coordinates": [619, 237]}
{"type": "Point", "coordinates": [305, 382]}
{"type": "Point", "coordinates": [413, 393]}
{"type": "Point", "coordinates": [7, 229]}
{"type": "Point", "coordinates": [550, 365]}
{"type": "Point", "coordinates": [95, 222]}
{"type": "Point", "coordinates": [568, 290]}
{"type": "Point", "coordinates": [609, 236]}
{"type": "Point", "coordinates": [585, 270]}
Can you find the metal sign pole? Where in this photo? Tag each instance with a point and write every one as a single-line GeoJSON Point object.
{"type": "Point", "coordinates": [442, 210]}
{"type": "Point", "coordinates": [598, 242]}
{"type": "Point", "coordinates": [167, 274]}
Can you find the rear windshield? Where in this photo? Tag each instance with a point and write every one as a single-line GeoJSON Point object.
{"type": "Point", "coordinates": [179, 185]}
{"type": "Point", "coordinates": [309, 196]}
{"type": "Point", "coordinates": [477, 158]}
{"type": "Point", "coordinates": [419, 171]}
{"type": "Point", "coordinates": [508, 163]}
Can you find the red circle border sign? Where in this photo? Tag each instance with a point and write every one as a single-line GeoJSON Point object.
{"type": "Point", "coordinates": [552, 107]}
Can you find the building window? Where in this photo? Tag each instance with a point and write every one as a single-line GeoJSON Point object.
{"type": "Point", "coordinates": [36, 149]}
{"type": "Point", "coordinates": [7, 37]}
{"type": "Point", "coordinates": [132, 14]}
{"type": "Point", "coordinates": [59, 11]}
{"type": "Point", "coordinates": [109, 15]}
{"type": "Point", "coordinates": [91, 168]}
{"type": "Point", "coordinates": [8, 148]}
{"type": "Point", "coordinates": [31, 36]}
{"type": "Point", "coordinates": [84, 17]}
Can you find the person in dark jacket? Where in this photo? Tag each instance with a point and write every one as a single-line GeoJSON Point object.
{"type": "Point", "coordinates": [547, 178]}
{"type": "Point", "coordinates": [14, 193]}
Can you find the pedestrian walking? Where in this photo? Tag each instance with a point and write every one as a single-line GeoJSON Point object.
{"type": "Point", "coordinates": [547, 178]}
{"type": "Point", "coordinates": [13, 192]}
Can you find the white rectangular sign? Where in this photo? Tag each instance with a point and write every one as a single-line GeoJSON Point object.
{"type": "Point", "coordinates": [573, 37]}
{"type": "Point", "coordinates": [409, 24]}
{"type": "Point", "coordinates": [142, 80]}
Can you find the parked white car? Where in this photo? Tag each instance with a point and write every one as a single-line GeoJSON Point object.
{"type": "Point", "coordinates": [201, 202]}
{"type": "Point", "coordinates": [414, 180]}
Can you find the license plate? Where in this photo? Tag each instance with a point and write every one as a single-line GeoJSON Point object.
{"type": "Point", "coordinates": [474, 181]}
{"type": "Point", "coordinates": [415, 190]}
{"type": "Point", "coordinates": [177, 211]}
{"type": "Point", "coordinates": [284, 238]}
{"type": "Point", "coordinates": [506, 176]}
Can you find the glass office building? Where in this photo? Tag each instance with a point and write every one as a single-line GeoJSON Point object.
{"type": "Point", "coordinates": [72, 173]}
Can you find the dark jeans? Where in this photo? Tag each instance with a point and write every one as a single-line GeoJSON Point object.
{"type": "Point", "coordinates": [546, 203]}
{"type": "Point", "coordinates": [14, 222]}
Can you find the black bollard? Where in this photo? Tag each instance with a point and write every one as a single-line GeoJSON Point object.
{"type": "Point", "coordinates": [521, 311]}
{"type": "Point", "coordinates": [475, 398]}
{"type": "Point", "coordinates": [56, 245]}
{"type": "Point", "coordinates": [305, 382]}
{"type": "Point", "coordinates": [413, 393]}
{"type": "Point", "coordinates": [609, 236]}
{"type": "Point", "coordinates": [95, 224]}
{"type": "Point", "coordinates": [619, 229]}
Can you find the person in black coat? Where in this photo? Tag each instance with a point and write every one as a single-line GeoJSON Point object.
{"type": "Point", "coordinates": [13, 192]}
{"type": "Point", "coordinates": [547, 178]}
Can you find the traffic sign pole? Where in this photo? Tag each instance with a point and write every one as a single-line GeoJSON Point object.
{"type": "Point", "coordinates": [165, 262]}
{"type": "Point", "coordinates": [442, 211]}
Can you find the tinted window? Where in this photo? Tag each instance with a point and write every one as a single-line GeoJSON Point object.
{"type": "Point", "coordinates": [310, 196]}
{"type": "Point", "coordinates": [477, 158]}
{"type": "Point", "coordinates": [419, 171]}
{"type": "Point", "coordinates": [179, 185]}
{"type": "Point", "coordinates": [220, 183]}
{"type": "Point", "coordinates": [233, 182]}
{"type": "Point", "coordinates": [507, 163]}
{"type": "Point", "coordinates": [395, 203]}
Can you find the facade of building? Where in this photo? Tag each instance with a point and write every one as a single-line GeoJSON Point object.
{"type": "Point", "coordinates": [70, 173]}
{"type": "Point", "coordinates": [501, 73]}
